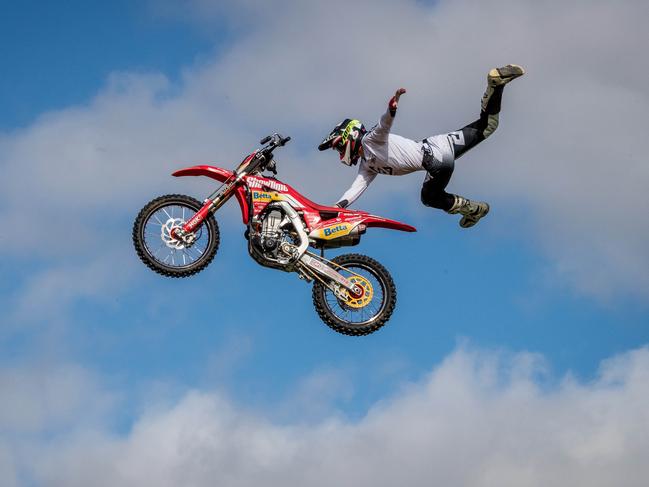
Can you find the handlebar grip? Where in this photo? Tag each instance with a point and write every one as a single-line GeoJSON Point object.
{"type": "Point", "coordinates": [284, 141]}
{"type": "Point", "coordinates": [265, 140]}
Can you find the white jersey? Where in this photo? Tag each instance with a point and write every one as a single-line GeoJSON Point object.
{"type": "Point", "coordinates": [391, 154]}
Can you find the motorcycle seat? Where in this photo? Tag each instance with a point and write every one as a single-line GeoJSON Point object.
{"type": "Point", "coordinates": [328, 212]}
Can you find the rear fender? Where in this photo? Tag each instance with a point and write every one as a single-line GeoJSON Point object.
{"type": "Point", "coordinates": [377, 221]}
{"type": "Point", "coordinates": [221, 175]}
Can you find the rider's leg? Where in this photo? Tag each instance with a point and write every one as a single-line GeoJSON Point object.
{"type": "Point", "coordinates": [471, 135]}
{"type": "Point", "coordinates": [455, 144]}
{"type": "Point", "coordinates": [439, 164]}
{"type": "Point", "coordinates": [433, 194]}
{"type": "Point", "coordinates": [466, 139]}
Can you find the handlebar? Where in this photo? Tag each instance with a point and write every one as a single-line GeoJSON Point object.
{"type": "Point", "coordinates": [266, 153]}
{"type": "Point", "coordinates": [276, 140]}
{"type": "Point", "coordinates": [264, 157]}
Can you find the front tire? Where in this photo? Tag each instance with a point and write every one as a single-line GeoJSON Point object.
{"type": "Point", "coordinates": [357, 318]}
{"type": "Point", "coordinates": [160, 251]}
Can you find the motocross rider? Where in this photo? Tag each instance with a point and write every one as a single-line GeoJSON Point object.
{"type": "Point", "coordinates": [381, 152]}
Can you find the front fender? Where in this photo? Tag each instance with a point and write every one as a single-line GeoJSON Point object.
{"type": "Point", "coordinates": [217, 173]}
{"type": "Point", "coordinates": [221, 175]}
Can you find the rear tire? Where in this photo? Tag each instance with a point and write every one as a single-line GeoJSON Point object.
{"type": "Point", "coordinates": [152, 243]}
{"type": "Point", "coordinates": [327, 307]}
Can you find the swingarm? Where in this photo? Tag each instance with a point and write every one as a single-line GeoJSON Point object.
{"type": "Point", "coordinates": [315, 268]}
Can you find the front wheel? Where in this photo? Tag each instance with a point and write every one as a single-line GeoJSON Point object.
{"type": "Point", "coordinates": [361, 315]}
{"type": "Point", "coordinates": [156, 245]}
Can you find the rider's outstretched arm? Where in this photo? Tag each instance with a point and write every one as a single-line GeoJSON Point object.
{"type": "Point", "coordinates": [394, 101]}
{"type": "Point", "coordinates": [381, 131]}
{"type": "Point", "coordinates": [359, 185]}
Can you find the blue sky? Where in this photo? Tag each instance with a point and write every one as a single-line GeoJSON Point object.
{"type": "Point", "coordinates": [63, 55]}
{"type": "Point", "coordinates": [103, 100]}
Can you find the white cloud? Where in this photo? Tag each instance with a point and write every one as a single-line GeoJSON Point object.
{"type": "Point", "coordinates": [43, 398]}
{"type": "Point", "coordinates": [40, 403]}
{"type": "Point", "coordinates": [568, 151]}
{"type": "Point", "coordinates": [477, 419]}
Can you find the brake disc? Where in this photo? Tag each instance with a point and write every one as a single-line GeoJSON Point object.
{"type": "Point", "coordinates": [171, 240]}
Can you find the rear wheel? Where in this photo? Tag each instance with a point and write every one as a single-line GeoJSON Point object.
{"type": "Point", "coordinates": [160, 250]}
{"type": "Point", "coordinates": [363, 314]}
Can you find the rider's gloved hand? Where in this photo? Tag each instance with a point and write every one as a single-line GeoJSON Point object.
{"type": "Point", "coordinates": [394, 101]}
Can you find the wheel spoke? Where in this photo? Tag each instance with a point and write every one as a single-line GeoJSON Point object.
{"type": "Point", "coordinates": [159, 248]}
{"type": "Point", "coordinates": [189, 256]}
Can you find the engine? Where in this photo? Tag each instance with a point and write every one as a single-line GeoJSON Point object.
{"type": "Point", "coordinates": [276, 235]}
{"type": "Point", "coordinates": [271, 234]}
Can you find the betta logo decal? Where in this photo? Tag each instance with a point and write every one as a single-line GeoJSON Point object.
{"type": "Point", "coordinates": [264, 197]}
{"type": "Point", "coordinates": [331, 231]}
{"type": "Point", "coordinates": [261, 196]}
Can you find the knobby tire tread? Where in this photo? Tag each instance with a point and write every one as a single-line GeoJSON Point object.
{"type": "Point", "coordinates": [341, 326]}
{"type": "Point", "coordinates": [209, 223]}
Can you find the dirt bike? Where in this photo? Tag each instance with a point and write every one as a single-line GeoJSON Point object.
{"type": "Point", "coordinates": [178, 236]}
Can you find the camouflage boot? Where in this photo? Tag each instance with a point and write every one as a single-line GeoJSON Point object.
{"type": "Point", "coordinates": [471, 211]}
{"type": "Point", "coordinates": [500, 77]}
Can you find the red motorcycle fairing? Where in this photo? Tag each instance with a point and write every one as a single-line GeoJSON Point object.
{"type": "Point", "coordinates": [380, 222]}
{"type": "Point", "coordinates": [265, 190]}
{"type": "Point", "coordinates": [317, 217]}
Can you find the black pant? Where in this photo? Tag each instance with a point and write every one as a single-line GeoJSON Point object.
{"type": "Point", "coordinates": [439, 172]}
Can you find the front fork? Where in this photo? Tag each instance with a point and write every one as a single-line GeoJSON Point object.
{"type": "Point", "coordinates": [212, 203]}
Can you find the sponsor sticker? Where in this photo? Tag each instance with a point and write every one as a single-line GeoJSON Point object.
{"type": "Point", "coordinates": [261, 197]}
{"type": "Point", "coordinates": [258, 183]}
{"type": "Point", "coordinates": [266, 197]}
{"type": "Point", "coordinates": [335, 231]}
